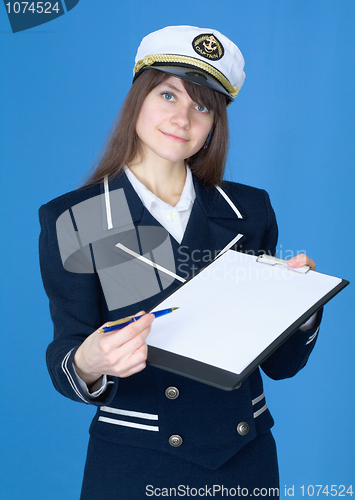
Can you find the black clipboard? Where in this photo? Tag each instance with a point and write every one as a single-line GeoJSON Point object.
{"type": "Point", "coordinates": [248, 286]}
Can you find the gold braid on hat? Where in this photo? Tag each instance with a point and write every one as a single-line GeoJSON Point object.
{"type": "Point", "coordinates": [190, 61]}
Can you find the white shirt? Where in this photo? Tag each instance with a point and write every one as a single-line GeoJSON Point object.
{"type": "Point", "coordinates": [173, 219]}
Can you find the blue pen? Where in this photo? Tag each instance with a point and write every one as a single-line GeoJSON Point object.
{"type": "Point", "coordinates": [121, 323]}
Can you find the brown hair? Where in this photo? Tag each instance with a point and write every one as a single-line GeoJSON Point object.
{"type": "Point", "coordinates": [123, 145]}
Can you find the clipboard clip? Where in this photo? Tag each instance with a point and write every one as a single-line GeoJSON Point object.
{"type": "Point", "coordinates": [275, 261]}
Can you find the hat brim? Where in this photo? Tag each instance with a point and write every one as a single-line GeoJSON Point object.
{"type": "Point", "coordinates": [193, 75]}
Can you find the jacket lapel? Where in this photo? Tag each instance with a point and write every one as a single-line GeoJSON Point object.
{"type": "Point", "coordinates": [212, 226]}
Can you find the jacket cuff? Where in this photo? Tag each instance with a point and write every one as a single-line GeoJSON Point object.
{"type": "Point", "coordinates": [105, 393]}
{"type": "Point", "coordinates": [101, 385]}
{"type": "Point", "coordinates": [292, 355]}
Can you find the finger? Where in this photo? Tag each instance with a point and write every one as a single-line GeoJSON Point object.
{"type": "Point", "coordinates": [311, 264]}
{"type": "Point", "coordinates": [297, 261]}
{"type": "Point", "coordinates": [131, 346]}
{"type": "Point", "coordinates": [134, 363]}
{"type": "Point", "coordinates": [139, 327]}
{"type": "Point", "coordinates": [120, 337]}
{"type": "Point", "coordinates": [118, 356]}
{"type": "Point", "coordinates": [140, 313]}
{"type": "Point", "coordinates": [302, 260]}
{"type": "Point", "coordinates": [132, 371]}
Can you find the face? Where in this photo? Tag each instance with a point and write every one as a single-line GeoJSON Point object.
{"type": "Point", "coordinates": [170, 124]}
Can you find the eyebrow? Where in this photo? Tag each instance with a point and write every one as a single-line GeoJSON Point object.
{"type": "Point", "coordinates": [172, 87]}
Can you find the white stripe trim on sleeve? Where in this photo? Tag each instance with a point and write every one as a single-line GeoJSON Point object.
{"type": "Point", "coordinates": [124, 423]}
{"type": "Point", "coordinates": [259, 398]}
{"type": "Point", "coordinates": [259, 412]}
{"type": "Point", "coordinates": [127, 413]}
{"type": "Point", "coordinates": [70, 378]}
{"type": "Point", "coordinates": [312, 337]}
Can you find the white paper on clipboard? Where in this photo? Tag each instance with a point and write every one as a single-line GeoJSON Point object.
{"type": "Point", "coordinates": [234, 309]}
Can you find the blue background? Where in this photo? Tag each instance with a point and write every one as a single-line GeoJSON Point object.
{"type": "Point", "coordinates": [292, 133]}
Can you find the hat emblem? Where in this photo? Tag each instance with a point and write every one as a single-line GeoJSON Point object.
{"type": "Point", "coordinates": [208, 46]}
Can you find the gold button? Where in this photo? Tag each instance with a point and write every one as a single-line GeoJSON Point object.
{"type": "Point", "coordinates": [172, 392]}
{"type": "Point", "coordinates": [242, 428]}
{"type": "Point", "coordinates": [175, 440]}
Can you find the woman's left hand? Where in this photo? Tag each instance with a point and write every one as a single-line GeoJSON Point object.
{"type": "Point", "coordinates": [302, 260]}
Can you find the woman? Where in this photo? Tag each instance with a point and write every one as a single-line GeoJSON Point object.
{"type": "Point", "coordinates": [158, 192]}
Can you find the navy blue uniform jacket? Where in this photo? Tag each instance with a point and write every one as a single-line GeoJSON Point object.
{"type": "Point", "coordinates": [135, 411]}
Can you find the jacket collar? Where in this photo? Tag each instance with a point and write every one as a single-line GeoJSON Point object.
{"type": "Point", "coordinates": [210, 200]}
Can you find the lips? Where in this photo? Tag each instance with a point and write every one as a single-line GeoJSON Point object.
{"type": "Point", "coordinates": [174, 138]}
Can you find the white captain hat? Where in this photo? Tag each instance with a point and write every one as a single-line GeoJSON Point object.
{"type": "Point", "coordinates": [201, 55]}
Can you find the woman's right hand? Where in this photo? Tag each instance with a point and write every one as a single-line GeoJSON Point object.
{"type": "Point", "coordinates": [120, 353]}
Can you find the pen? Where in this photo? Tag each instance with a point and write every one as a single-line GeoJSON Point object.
{"type": "Point", "coordinates": [120, 323]}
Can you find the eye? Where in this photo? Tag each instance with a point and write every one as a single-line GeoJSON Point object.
{"type": "Point", "coordinates": [201, 109]}
{"type": "Point", "coordinates": [168, 96]}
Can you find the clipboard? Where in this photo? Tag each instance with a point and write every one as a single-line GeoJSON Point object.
{"type": "Point", "coordinates": [233, 314]}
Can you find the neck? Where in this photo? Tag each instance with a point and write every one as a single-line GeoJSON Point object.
{"type": "Point", "coordinates": [164, 178]}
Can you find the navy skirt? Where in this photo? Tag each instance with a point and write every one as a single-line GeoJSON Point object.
{"type": "Point", "coordinates": [115, 472]}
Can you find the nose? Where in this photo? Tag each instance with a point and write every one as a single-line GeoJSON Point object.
{"type": "Point", "coordinates": [181, 116]}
